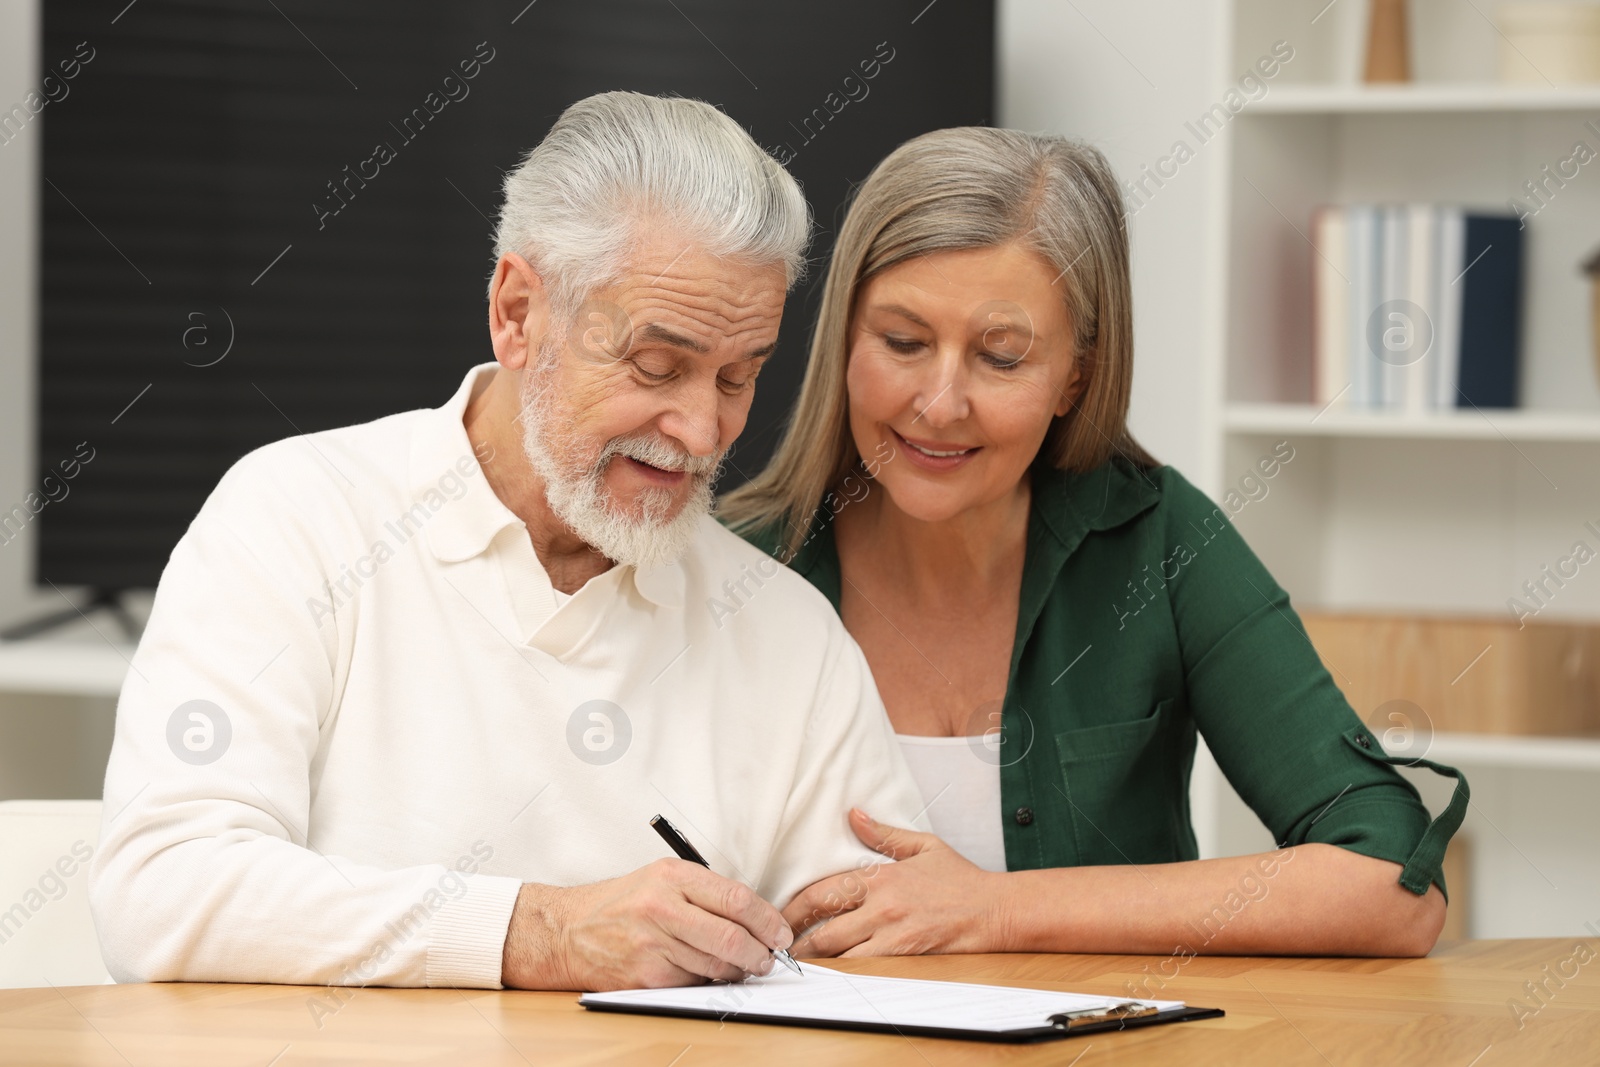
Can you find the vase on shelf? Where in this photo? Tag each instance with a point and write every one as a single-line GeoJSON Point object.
{"type": "Point", "coordinates": [1388, 44]}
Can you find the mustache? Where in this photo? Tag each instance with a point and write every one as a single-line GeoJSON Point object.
{"type": "Point", "coordinates": [658, 451]}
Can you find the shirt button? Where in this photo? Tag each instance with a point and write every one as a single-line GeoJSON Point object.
{"type": "Point", "coordinates": [1362, 740]}
{"type": "Point", "coordinates": [1024, 816]}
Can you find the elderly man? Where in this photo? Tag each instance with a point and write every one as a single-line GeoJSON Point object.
{"type": "Point", "coordinates": [412, 691]}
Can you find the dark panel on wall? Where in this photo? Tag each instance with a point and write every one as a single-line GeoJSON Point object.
{"type": "Point", "coordinates": [229, 257]}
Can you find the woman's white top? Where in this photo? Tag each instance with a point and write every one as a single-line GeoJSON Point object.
{"type": "Point", "coordinates": [960, 782]}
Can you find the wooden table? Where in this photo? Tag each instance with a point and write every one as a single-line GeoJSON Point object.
{"type": "Point", "coordinates": [1450, 1008]}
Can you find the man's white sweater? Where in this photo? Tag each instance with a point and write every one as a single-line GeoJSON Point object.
{"type": "Point", "coordinates": [358, 721]}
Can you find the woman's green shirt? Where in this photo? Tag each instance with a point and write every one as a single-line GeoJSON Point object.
{"type": "Point", "coordinates": [1145, 618]}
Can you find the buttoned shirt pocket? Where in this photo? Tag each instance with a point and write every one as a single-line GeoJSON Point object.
{"type": "Point", "coordinates": [1121, 785]}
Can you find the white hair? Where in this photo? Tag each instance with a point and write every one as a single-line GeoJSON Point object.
{"type": "Point", "coordinates": [614, 160]}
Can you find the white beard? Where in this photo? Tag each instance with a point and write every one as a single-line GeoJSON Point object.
{"type": "Point", "coordinates": [576, 491]}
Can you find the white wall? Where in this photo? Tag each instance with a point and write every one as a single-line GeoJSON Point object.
{"type": "Point", "coordinates": [1125, 78]}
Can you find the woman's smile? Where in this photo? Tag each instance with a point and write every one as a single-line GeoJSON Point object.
{"type": "Point", "coordinates": [935, 455]}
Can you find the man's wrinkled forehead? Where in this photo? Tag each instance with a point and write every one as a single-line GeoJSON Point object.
{"type": "Point", "coordinates": [689, 299]}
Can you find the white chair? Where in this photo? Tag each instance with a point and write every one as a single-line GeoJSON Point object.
{"type": "Point", "coordinates": [47, 936]}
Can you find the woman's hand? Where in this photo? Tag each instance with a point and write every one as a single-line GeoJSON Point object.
{"type": "Point", "coordinates": [930, 900]}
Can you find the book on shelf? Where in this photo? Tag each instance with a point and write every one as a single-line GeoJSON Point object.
{"type": "Point", "coordinates": [1415, 307]}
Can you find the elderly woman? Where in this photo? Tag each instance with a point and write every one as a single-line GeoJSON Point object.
{"type": "Point", "coordinates": [1050, 614]}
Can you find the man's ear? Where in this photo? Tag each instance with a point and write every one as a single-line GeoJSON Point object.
{"type": "Point", "coordinates": [519, 311]}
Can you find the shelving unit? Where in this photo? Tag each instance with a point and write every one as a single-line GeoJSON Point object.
{"type": "Point", "coordinates": [58, 698]}
{"type": "Point", "coordinates": [1448, 513]}
{"type": "Point", "coordinates": [1522, 753]}
{"type": "Point", "coordinates": [78, 667]}
{"type": "Point", "coordinates": [1460, 96]}
{"type": "Point", "coordinates": [1468, 425]}
{"type": "Point", "coordinates": [1452, 511]}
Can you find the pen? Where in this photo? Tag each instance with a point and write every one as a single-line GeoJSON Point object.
{"type": "Point", "coordinates": [680, 844]}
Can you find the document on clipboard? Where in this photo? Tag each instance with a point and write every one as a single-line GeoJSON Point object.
{"type": "Point", "coordinates": [833, 999]}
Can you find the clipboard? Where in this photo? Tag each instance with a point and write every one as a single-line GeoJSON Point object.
{"type": "Point", "coordinates": [837, 1000]}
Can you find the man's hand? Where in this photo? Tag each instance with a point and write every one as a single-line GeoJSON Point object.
{"type": "Point", "coordinates": [931, 899]}
{"type": "Point", "coordinates": [671, 923]}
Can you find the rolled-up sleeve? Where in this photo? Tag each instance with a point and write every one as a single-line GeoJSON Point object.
{"type": "Point", "coordinates": [1280, 728]}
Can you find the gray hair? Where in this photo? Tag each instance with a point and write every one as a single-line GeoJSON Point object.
{"type": "Point", "coordinates": [614, 160]}
{"type": "Point", "coordinates": [966, 187]}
